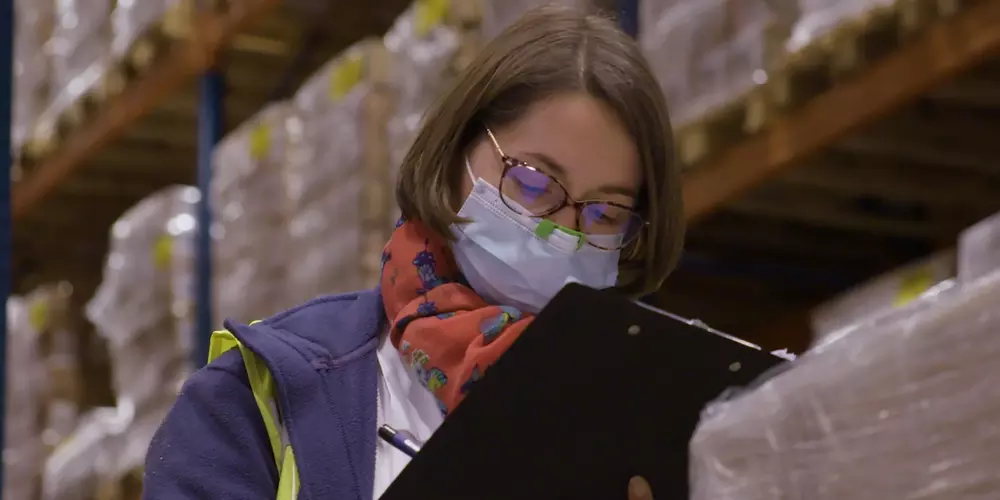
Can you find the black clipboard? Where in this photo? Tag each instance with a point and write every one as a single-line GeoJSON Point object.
{"type": "Point", "coordinates": [598, 389]}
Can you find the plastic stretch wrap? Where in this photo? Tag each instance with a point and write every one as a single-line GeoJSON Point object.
{"type": "Point", "coordinates": [706, 53]}
{"type": "Point", "coordinates": [80, 48]}
{"type": "Point", "coordinates": [142, 309]}
{"type": "Point", "coordinates": [109, 444]}
{"type": "Point", "coordinates": [324, 177]}
{"type": "Point", "coordinates": [132, 18]}
{"type": "Point", "coordinates": [893, 289]}
{"type": "Point", "coordinates": [979, 249]}
{"type": "Point", "coordinates": [818, 17]}
{"type": "Point", "coordinates": [904, 407]}
{"type": "Point", "coordinates": [33, 27]}
{"type": "Point", "coordinates": [24, 450]}
{"type": "Point", "coordinates": [498, 14]}
{"type": "Point", "coordinates": [251, 210]}
{"type": "Point", "coordinates": [421, 54]}
{"type": "Point", "coordinates": [327, 134]}
{"type": "Point", "coordinates": [50, 315]}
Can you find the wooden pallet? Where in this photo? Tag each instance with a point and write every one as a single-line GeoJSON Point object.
{"type": "Point", "coordinates": [723, 127]}
{"type": "Point", "coordinates": [743, 116]}
{"type": "Point", "coordinates": [796, 77]}
{"type": "Point", "coordinates": [148, 49]}
{"type": "Point", "coordinates": [915, 15]}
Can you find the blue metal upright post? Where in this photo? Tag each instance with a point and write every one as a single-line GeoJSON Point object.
{"type": "Point", "coordinates": [6, 226]}
{"type": "Point", "coordinates": [628, 16]}
{"type": "Point", "coordinates": [211, 126]}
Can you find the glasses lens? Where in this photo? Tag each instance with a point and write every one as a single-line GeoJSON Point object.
{"type": "Point", "coordinates": [609, 226]}
{"type": "Point", "coordinates": [531, 192]}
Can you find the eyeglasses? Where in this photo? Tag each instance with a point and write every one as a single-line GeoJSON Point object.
{"type": "Point", "coordinates": [529, 191]}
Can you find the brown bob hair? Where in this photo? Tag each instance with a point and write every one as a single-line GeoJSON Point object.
{"type": "Point", "coordinates": [552, 50]}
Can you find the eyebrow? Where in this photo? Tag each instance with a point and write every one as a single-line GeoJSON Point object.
{"type": "Point", "coordinates": [560, 170]}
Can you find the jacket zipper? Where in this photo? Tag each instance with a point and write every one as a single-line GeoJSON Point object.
{"type": "Point", "coordinates": [378, 417]}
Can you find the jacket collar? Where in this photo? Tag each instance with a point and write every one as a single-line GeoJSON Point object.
{"type": "Point", "coordinates": [323, 361]}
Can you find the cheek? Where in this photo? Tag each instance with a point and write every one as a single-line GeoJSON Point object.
{"type": "Point", "coordinates": [482, 163]}
{"type": "Point", "coordinates": [465, 185]}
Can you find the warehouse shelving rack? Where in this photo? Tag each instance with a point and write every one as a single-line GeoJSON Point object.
{"type": "Point", "coordinates": [6, 96]}
{"type": "Point", "coordinates": [953, 40]}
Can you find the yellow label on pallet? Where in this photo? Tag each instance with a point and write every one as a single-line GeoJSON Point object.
{"type": "Point", "coordinates": [346, 75]}
{"type": "Point", "coordinates": [429, 13]}
{"type": "Point", "coordinates": [38, 315]}
{"type": "Point", "coordinates": [260, 141]}
{"type": "Point", "coordinates": [914, 285]}
{"type": "Point", "coordinates": [163, 251]}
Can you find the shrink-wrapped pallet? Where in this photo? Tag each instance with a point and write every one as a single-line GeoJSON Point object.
{"type": "Point", "coordinates": [979, 249]}
{"type": "Point", "coordinates": [99, 452]}
{"type": "Point", "coordinates": [498, 14]}
{"type": "Point", "coordinates": [143, 306]}
{"type": "Point", "coordinates": [33, 27]}
{"type": "Point", "coordinates": [23, 452]}
{"type": "Point", "coordinates": [893, 289]}
{"type": "Point", "coordinates": [80, 49]}
{"type": "Point", "coordinates": [707, 54]}
{"type": "Point", "coordinates": [251, 207]}
{"type": "Point", "coordinates": [422, 49]}
{"type": "Point", "coordinates": [325, 176]}
{"type": "Point", "coordinates": [131, 19]}
{"type": "Point", "coordinates": [819, 17]}
{"type": "Point", "coordinates": [52, 316]}
{"type": "Point", "coordinates": [904, 407]}
{"type": "Point", "coordinates": [142, 309]}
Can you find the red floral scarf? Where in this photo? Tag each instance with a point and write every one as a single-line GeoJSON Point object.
{"type": "Point", "coordinates": [441, 327]}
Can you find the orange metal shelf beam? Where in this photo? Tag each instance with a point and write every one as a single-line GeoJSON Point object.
{"type": "Point", "coordinates": [943, 51]}
{"type": "Point", "coordinates": [211, 32]}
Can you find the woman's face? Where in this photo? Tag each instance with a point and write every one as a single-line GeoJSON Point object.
{"type": "Point", "coordinates": [574, 138]}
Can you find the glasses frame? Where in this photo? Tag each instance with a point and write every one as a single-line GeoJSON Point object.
{"type": "Point", "coordinates": [509, 162]}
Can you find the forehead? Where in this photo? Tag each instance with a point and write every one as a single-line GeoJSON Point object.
{"type": "Point", "coordinates": [583, 135]}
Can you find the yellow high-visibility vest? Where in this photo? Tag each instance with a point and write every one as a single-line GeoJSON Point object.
{"type": "Point", "coordinates": [262, 386]}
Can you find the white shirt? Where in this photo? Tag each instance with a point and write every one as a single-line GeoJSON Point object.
{"type": "Point", "coordinates": [405, 405]}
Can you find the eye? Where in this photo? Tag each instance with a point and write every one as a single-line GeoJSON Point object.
{"type": "Point", "coordinates": [602, 213]}
{"type": "Point", "coordinates": [529, 182]}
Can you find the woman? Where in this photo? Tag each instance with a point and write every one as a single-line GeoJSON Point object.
{"type": "Point", "coordinates": [549, 161]}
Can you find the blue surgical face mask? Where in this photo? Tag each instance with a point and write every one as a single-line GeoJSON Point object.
{"type": "Point", "coordinates": [521, 261]}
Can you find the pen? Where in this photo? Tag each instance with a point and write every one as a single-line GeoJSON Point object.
{"type": "Point", "coordinates": [399, 440]}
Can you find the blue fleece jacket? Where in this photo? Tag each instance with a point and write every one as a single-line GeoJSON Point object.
{"type": "Point", "coordinates": [213, 444]}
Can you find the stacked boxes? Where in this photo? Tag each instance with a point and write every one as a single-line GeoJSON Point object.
{"type": "Point", "coordinates": [142, 310]}
{"type": "Point", "coordinates": [52, 316]}
{"type": "Point", "coordinates": [80, 48]}
{"type": "Point", "coordinates": [904, 406]}
{"type": "Point", "coordinates": [133, 18]}
{"type": "Point", "coordinates": [143, 306]}
{"type": "Point", "coordinates": [891, 290]}
{"type": "Point", "coordinates": [33, 27]}
{"type": "Point", "coordinates": [707, 53]}
{"type": "Point", "coordinates": [422, 50]}
{"type": "Point", "coordinates": [325, 177]}
{"type": "Point", "coordinates": [64, 49]}
{"type": "Point", "coordinates": [979, 249]}
{"type": "Point", "coordinates": [819, 17]}
{"type": "Point", "coordinates": [24, 451]}
{"type": "Point", "coordinates": [251, 209]}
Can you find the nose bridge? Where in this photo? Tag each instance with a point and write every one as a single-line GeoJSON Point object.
{"type": "Point", "coordinates": [566, 216]}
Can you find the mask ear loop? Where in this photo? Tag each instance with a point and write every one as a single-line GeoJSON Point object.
{"type": "Point", "coordinates": [468, 168]}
